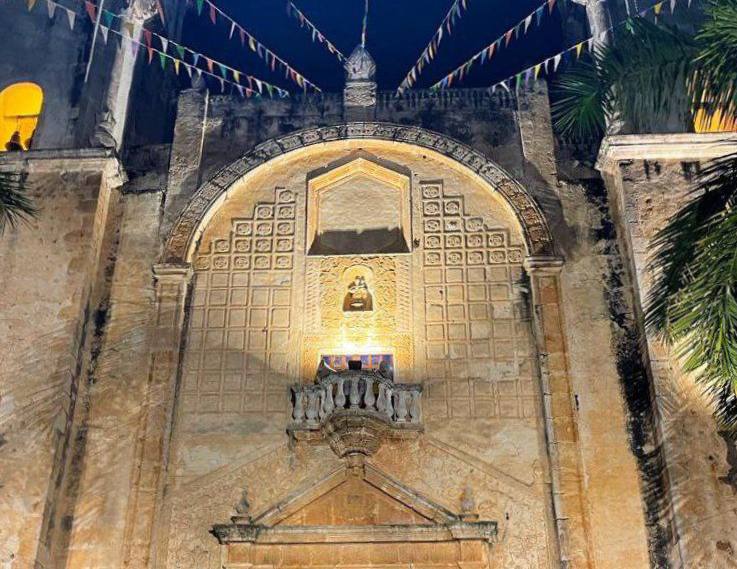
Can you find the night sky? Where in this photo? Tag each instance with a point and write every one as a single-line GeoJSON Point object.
{"type": "Point", "coordinates": [398, 31]}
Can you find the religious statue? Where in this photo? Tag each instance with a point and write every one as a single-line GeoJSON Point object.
{"type": "Point", "coordinates": [358, 298]}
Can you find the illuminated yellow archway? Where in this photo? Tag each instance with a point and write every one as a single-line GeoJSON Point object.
{"type": "Point", "coordinates": [20, 107]}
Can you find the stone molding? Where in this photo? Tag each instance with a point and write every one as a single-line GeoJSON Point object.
{"type": "Point", "coordinates": [690, 147]}
{"type": "Point", "coordinates": [173, 272]}
{"type": "Point", "coordinates": [535, 229]}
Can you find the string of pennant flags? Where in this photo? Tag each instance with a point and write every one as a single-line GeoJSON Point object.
{"type": "Point", "coordinates": [552, 63]}
{"type": "Point", "coordinates": [224, 74]}
{"type": "Point", "coordinates": [246, 38]}
{"type": "Point", "coordinates": [317, 35]}
{"type": "Point", "coordinates": [502, 42]}
{"type": "Point", "coordinates": [428, 54]}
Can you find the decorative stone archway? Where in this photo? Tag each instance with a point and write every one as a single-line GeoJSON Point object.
{"type": "Point", "coordinates": [534, 226]}
{"type": "Point", "coordinates": [542, 265]}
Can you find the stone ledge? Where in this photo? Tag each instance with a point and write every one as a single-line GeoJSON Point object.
{"type": "Point", "coordinates": [681, 146]}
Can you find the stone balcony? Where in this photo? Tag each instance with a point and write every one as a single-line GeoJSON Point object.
{"type": "Point", "coordinates": [355, 410]}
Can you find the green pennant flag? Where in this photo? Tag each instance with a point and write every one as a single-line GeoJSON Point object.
{"type": "Point", "coordinates": [181, 51]}
{"type": "Point", "coordinates": [108, 16]}
{"type": "Point", "coordinates": [200, 4]}
{"type": "Point", "coordinates": [162, 60]}
{"type": "Point", "coordinates": [270, 89]}
{"type": "Point", "coordinates": [223, 70]}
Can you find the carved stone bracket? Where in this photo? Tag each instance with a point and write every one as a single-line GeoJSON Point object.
{"type": "Point", "coordinates": [535, 228]}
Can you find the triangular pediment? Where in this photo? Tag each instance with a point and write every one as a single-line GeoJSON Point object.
{"type": "Point", "coordinates": [360, 497]}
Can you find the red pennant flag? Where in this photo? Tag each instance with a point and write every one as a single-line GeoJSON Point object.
{"type": "Point", "coordinates": [242, 33]}
{"type": "Point", "coordinates": [147, 37]}
{"type": "Point", "coordinates": [209, 64]}
{"type": "Point", "coordinates": [508, 37]}
{"type": "Point", "coordinates": [551, 4]}
{"type": "Point", "coordinates": [213, 14]}
{"type": "Point", "coordinates": [91, 10]}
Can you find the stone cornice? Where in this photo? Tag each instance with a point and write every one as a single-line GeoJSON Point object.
{"type": "Point", "coordinates": [683, 147]}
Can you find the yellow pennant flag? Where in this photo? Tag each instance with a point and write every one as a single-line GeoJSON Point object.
{"type": "Point", "coordinates": [176, 66]}
{"type": "Point", "coordinates": [658, 8]}
{"type": "Point", "coordinates": [31, 4]}
{"type": "Point", "coordinates": [579, 48]}
{"type": "Point", "coordinates": [237, 76]}
{"type": "Point", "coordinates": [537, 70]}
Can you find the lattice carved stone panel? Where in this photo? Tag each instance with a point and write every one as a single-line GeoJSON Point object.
{"type": "Point", "coordinates": [238, 358]}
{"type": "Point", "coordinates": [477, 332]}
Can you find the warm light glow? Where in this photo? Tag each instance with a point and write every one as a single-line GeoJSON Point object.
{"type": "Point", "coordinates": [20, 107]}
{"type": "Point", "coordinates": [717, 122]}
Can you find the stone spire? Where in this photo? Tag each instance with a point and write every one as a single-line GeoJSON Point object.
{"type": "Point", "coordinates": [360, 85]}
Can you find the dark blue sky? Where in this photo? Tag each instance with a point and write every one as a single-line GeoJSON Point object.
{"type": "Point", "coordinates": [398, 31]}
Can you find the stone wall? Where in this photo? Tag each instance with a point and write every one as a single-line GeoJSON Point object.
{"type": "Point", "coordinates": [649, 178]}
{"type": "Point", "coordinates": [52, 275]}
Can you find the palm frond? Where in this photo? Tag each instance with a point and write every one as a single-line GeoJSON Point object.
{"type": "Point", "coordinates": [15, 205]}
{"type": "Point", "coordinates": [714, 78]}
{"type": "Point", "coordinates": [693, 301]}
{"type": "Point", "coordinates": [578, 107]}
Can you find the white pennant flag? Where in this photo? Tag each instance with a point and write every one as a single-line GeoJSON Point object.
{"type": "Point", "coordinates": [104, 30]}
{"type": "Point", "coordinates": [672, 6]}
{"type": "Point", "coordinates": [232, 30]}
{"type": "Point", "coordinates": [71, 16]}
{"type": "Point", "coordinates": [556, 62]}
{"type": "Point", "coordinates": [164, 43]}
{"type": "Point", "coordinates": [528, 21]}
{"type": "Point", "coordinates": [51, 8]}
{"type": "Point", "coordinates": [222, 85]}
{"type": "Point", "coordinates": [189, 70]}
{"type": "Point", "coordinates": [259, 85]}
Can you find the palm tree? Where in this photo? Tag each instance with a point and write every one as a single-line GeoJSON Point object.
{"type": "Point", "coordinates": [15, 206]}
{"type": "Point", "coordinates": [652, 75]}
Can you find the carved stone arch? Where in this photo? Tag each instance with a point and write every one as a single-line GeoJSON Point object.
{"type": "Point", "coordinates": [534, 226]}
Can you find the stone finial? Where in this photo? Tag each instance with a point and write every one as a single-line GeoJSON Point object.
{"type": "Point", "coordinates": [360, 86]}
{"type": "Point", "coordinates": [243, 509]}
{"type": "Point", "coordinates": [468, 505]}
{"type": "Point", "coordinates": [360, 66]}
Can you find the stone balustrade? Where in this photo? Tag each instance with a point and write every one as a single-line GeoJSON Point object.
{"type": "Point", "coordinates": [356, 391]}
{"type": "Point", "coordinates": [355, 411]}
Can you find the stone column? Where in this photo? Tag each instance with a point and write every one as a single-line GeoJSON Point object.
{"type": "Point", "coordinates": [599, 18]}
{"type": "Point", "coordinates": [110, 129]}
{"type": "Point", "coordinates": [152, 452]}
{"type": "Point", "coordinates": [558, 412]}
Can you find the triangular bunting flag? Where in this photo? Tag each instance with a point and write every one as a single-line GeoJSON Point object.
{"type": "Point", "coordinates": [162, 59]}
{"type": "Point", "coordinates": [658, 8]}
{"type": "Point", "coordinates": [164, 43]}
{"type": "Point", "coordinates": [195, 58]}
{"type": "Point", "coordinates": [242, 33]}
{"type": "Point", "coordinates": [259, 85]}
{"type": "Point", "coordinates": [672, 6]}
{"type": "Point", "coordinates": [181, 50]}
{"type": "Point", "coordinates": [213, 14]}
{"type": "Point", "coordinates": [252, 43]}
{"type": "Point", "coordinates": [50, 8]}
{"type": "Point", "coordinates": [240, 90]}
{"type": "Point", "coordinates": [508, 37]}
{"type": "Point", "coordinates": [232, 30]}
{"type": "Point", "coordinates": [210, 63]}
{"type": "Point", "coordinates": [31, 4]}
{"type": "Point", "coordinates": [160, 10]}
{"type": "Point", "coordinates": [222, 86]}
{"type": "Point", "coordinates": [556, 62]}
{"type": "Point", "coordinates": [104, 31]}
{"type": "Point", "coordinates": [176, 65]}
{"type": "Point", "coordinates": [108, 18]}
{"type": "Point", "coordinates": [236, 76]}
{"type": "Point", "coordinates": [200, 4]}
{"type": "Point", "coordinates": [223, 70]}
{"type": "Point", "coordinates": [71, 16]}
{"type": "Point", "coordinates": [528, 21]}
{"type": "Point", "coordinates": [91, 10]}
{"type": "Point", "coordinates": [551, 4]}
{"type": "Point", "coordinates": [189, 70]}
{"type": "Point", "coordinates": [579, 48]}
{"type": "Point", "coordinates": [537, 70]}
{"type": "Point", "coordinates": [539, 14]}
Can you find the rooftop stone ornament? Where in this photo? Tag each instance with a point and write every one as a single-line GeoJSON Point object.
{"type": "Point", "coordinates": [355, 410]}
{"type": "Point", "coordinates": [360, 85]}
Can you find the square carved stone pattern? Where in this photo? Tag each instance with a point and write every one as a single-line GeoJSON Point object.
{"type": "Point", "coordinates": [478, 341]}
{"type": "Point", "coordinates": [237, 357]}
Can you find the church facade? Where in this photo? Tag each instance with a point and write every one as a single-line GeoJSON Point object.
{"type": "Point", "coordinates": [357, 330]}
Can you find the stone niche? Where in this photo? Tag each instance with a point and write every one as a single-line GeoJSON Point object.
{"type": "Point", "coordinates": [357, 208]}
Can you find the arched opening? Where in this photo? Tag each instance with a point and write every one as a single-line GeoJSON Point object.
{"type": "Point", "coordinates": [20, 107]}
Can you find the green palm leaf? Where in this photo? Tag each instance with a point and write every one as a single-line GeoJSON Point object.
{"type": "Point", "coordinates": [15, 205]}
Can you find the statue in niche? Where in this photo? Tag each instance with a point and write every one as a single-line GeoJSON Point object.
{"type": "Point", "coordinates": [358, 298]}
